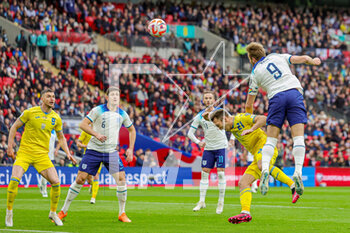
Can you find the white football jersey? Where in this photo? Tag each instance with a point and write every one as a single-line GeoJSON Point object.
{"type": "Point", "coordinates": [214, 137]}
{"type": "Point", "coordinates": [273, 74]}
{"type": "Point", "coordinates": [107, 123]}
{"type": "Point", "coordinates": [52, 145]}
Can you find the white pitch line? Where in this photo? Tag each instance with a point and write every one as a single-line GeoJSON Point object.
{"type": "Point", "coordinates": [21, 230]}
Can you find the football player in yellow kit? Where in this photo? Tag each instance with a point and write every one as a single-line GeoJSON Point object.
{"type": "Point", "coordinates": [39, 121]}
{"type": "Point", "coordinates": [247, 130]}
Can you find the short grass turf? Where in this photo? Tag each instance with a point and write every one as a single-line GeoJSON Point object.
{"type": "Point", "coordinates": [157, 209]}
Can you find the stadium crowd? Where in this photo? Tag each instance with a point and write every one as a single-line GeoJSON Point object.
{"type": "Point", "coordinates": [273, 25]}
{"type": "Point", "coordinates": [154, 100]}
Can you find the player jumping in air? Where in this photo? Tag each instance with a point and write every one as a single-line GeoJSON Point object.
{"type": "Point", "coordinates": [215, 145]}
{"type": "Point", "coordinates": [246, 128]}
{"type": "Point", "coordinates": [34, 148]}
{"type": "Point", "coordinates": [83, 141]}
{"type": "Point", "coordinates": [284, 91]}
{"type": "Point", "coordinates": [107, 120]}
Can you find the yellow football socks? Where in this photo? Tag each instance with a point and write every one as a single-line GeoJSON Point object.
{"type": "Point", "coordinates": [279, 175]}
{"type": "Point", "coordinates": [12, 191]}
{"type": "Point", "coordinates": [246, 199]}
{"type": "Point", "coordinates": [95, 187]}
{"type": "Point", "coordinates": [55, 196]}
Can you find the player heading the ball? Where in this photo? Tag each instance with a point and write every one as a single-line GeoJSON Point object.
{"type": "Point", "coordinates": [285, 95]}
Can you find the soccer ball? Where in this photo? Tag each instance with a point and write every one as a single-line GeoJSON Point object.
{"type": "Point", "coordinates": [156, 27]}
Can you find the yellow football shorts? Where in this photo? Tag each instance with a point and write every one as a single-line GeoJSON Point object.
{"type": "Point", "coordinates": [253, 168]}
{"type": "Point", "coordinates": [40, 162]}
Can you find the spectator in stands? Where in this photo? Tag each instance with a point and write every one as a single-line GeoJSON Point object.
{"type": "Point", "coordinates": [5, 159]}
{"type": "Point", "coordinates": [187, 146]}
{"type": "Point", "coordinates": [3, 143]}
{"type": "Point", "coordinates": [65, 128]}
{"type": "Point", "coordinates": [32, 38]}
{"type": "Point", "coordinates": [42, 44]}
{"type": "Point", "coordinates": [325, 162]}
{"type": "Point", "coordinates": [21, 41]}
{"type": "Point", "coordinates": [348, 162]}
{"type": "Point", "coordinates": [4, 36]}
{"type": "Point", "coordinates": [54, 43]}
{"type": "Point", "coordinates": [142, 95]}
{"type": "Point", "coordinates": [140, 157]}
{"type": "Point", "coordinates": [187, 46]}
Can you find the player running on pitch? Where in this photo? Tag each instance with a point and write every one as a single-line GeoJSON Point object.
{"type": "Point", "coordinates": [215, 144]}
{"type": "Point", "coordinates": [39, 121]}
{"type": "Point", "coordinates": [246, 128]}
{"type": "Point", "coordinates": [83, 141]}
{"type": "Point", "coordinates": [284, 91]}
{"type": "Point", "coordinates": [107, 120]}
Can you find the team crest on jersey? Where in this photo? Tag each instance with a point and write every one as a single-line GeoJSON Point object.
{"type": "Point", "coordinates": [43, 126]}
{"type": "Point", "coordinates": [84, 166]}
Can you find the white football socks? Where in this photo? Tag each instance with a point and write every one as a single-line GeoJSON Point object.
{"type": "Point", "coordinates": [73, 192]}
{"type": "Point", "coordinates": [222, 185]}
{"type": "Point", "coordinates": [203, 186]}
{"type": "Point", "coordinates": [267, 152]}
{"type": "Point", "coordinates": [122, 196]}
{"type": "Point", "coordinates": [298, 153]}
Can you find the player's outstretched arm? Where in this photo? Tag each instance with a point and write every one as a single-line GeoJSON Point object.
{"type": "Point", "coordinates": [249, 104]}
{"type": "Point", "coordinates": [193, 138]}
{"type": "Point", "coordinates": [11, 140]}
{"type": "Point", "coordinates": [132, 139]}
{"type": "Point", "coordinates": [305, 59]}
{"type": "Point", "coordinates": [85, 126]}
{"type": "Point", "coordinates": [63, 143]}
{"type": "Point", "coordinates": [259, 122]}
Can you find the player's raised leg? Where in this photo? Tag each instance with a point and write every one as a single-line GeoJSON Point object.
{"type": "Point", "coordinates": [267, 154]}
{"type": "Point", "coordinates": [12, 190]}
{"type": "Point", "coordinates": [299, 155]}
{"type": "Point", "coordinates": [51, 175]}
{"type": "Point", "coordinates": [279, 175]}
{"type": "Point", "coordinates": [245, 199]}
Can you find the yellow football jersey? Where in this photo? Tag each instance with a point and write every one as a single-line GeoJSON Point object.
{"type": "Point", "coordinates": [252, 141]}
{"type": "Point", "coordinates": [84, 138]}
{"type": "Point", "coordinates": [37, 132]}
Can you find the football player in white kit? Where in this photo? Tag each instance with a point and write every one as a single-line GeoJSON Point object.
{"type": "Point", "coordinates": [42, 185]}
{"type": "Point", "coordinates": [215, 144]}
{"type": "Point", "coordinates": [285, 95]}
{"type": "Point", "coordinates": [107, 120]}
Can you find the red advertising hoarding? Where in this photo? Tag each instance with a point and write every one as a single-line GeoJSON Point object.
{"type": "Point", "coordinates": [233, 175]}
{"type": "Point", "coordinates": [332, 176]}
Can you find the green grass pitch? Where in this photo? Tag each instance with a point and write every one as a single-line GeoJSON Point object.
{"type": "Point", "coordinates": [157, 209]}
